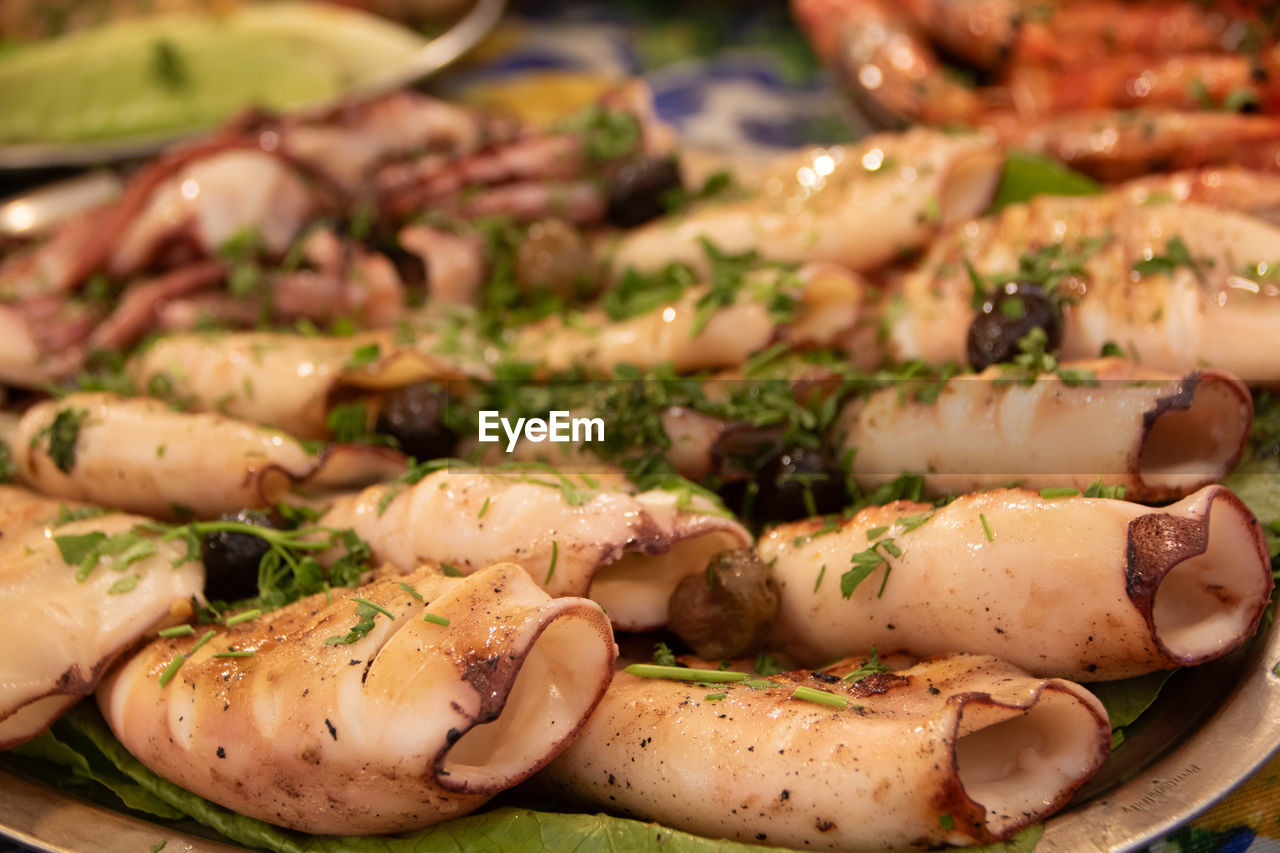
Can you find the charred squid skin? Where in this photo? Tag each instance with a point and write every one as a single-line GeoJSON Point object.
{"type": "Point", "coordinates": [139, 455]}
{"type": "Point", "coordinates": [879, 772]}
{"type": "Point", "coordinates": [1159, 542]}
{"type": "Point", "coordinates": [72, 645]}
{"type": "Point", "coordinates": [625, 549]}
{"type": "Point", "coordinates": [1092, 589]}
{"type": "Point", "coordinates": [1183, 400]}
{"type": "Point", "coordinates": [1179, 400]}
{"type": "Point", "coordinates": [414, 722]}
{"type": "Point", "coordinates": [492, 678]}
{"type": "Point", "coordinates": [1166, 434]}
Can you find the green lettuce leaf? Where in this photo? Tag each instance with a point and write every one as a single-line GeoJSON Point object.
{"type": "Point", "coordinates": [495, 831]}
{"type": "Point", "coordinates": [1126, 699]}
{"type": "Point", "coordinates": [1028, 175]}
{"type": "Point", "coordinates": [1257, 483]}
{"type": "Point", "coordinates": [49, 748]}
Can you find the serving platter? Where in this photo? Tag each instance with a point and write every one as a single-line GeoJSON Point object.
{"type": "Point", "coordinates": [417, 58]}
{"type": "Point", "coordinates": [1210, 729]}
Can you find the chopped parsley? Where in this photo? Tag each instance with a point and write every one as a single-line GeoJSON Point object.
{"type": "Point", "coordinates": [606, 134]}
{"type": "Point", "coordinates": [1176, 254]}
{"type": "Point", "coordinates": [63, 434]}
{"type": "Point", "coordinates": [766, 665]}
{"type": "Point", "coordinates": [125, 584]}
{"type": "Point", "coordinates": [363, 356]}
{"type": "Point", "coordinates": [864, 563]}
{"type": "Point", "coordinates": [366, 612]}
{"type": "Point", "coordinates": [66, 514]}
{"type": "Point", "coordinates": [86, 550]}
{"type": "Point", "coordinates": [1033, 360]}
{"type": "Point", "coordinates": [663, 656]}
{"type": "Point", "coordinates": [872, 666]}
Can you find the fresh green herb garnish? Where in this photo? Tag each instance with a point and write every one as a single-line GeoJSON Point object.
{"type": "Point", "coordinates": [864, 563]}
{"type": "Point", "coordinates": [1176, 254]}
{"type": "Point", "coordinates": [63, 434]}
{"type": "Point", "coordinates": [366, 611]}
{"type": "Point", "coordinates": [125, 584]}
{"type": "Point", "coordinates": [555, 555]}
{"type": "Point", "coordinates": [872, 666]}
{"type": "Point", "coordinates": [663, 656]}
{"type": "Point", "coordinates": [820, 697]}
{"type": "Point", "coordinates": [176, 664]}
{"type": "Point", "coordinates": [66, 514]}
{"type": "Point", "coordinates": [85, 550]}
{"type": "Point", "coordinates": [363, 356]}
{"type": "Point", "coordinates": [1049, 494]}
{"type": "Point", "coordinates": [680, 673]}
{"type": "Point", "coordinates": [1033, 360]}
{"type": "Point", "coordinates": [606, 134]}
{"type": "Point", "coordinates": [766, 665]}
{"type": "Point", "coordinates": [241, 618]}
{"type": "Point", "coordinates": [435, 619]}
{"type": "Point", "coordinates": [1098, 489]}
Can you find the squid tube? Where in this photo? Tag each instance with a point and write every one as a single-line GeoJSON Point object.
{"type": "Point", "coordinates": [954, 751]}
{"type": "Point", "coordinates": [65, 624]}
{"type": "Point", "coordinates": [1085, 588]}
{"type": "Point", "coordinates": [455, 689]}
{"type": "Point", "coordinates": [139, 455]}
{"type": "Point", "coordinates": [1159, 435]}
{"type": "Point", "coordinates": [290, 382]}
{"type": "Point", "coordinates": [576, 535]}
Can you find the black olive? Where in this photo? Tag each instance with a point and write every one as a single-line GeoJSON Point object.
{"type": "Point", "coordinates": [231, 558]}
{"type": "Point", "coordinates": [796, 483]}
{"type": "Point", "coordinates": [411, 267]}
{"type": "Point", "coordinates": [1006, 318]}
{"type": "Point", "coordinates": [414, 416]}
{"type": "Point", "coordinates": [639, 190]}
{"type": "Point", "coordinates": [724, 612]}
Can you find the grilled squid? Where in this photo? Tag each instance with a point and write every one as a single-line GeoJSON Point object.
{"type": "Point", "coordinates": [954, 751]}
{"type": "Point", "coordinates": [65, 624]}
{"type": "Point", "coordinates": [814, 306]}
{"type": "Point", "coordinates": [1176, 286]}
{"type": "Point", "coordinates": [394, 706]}
{"type": "Point", "coordinates": [576, 535]}
{"type": "Point", "coordinates": [858, 206]}
{"type": "Point", "coordinates": [1085, 588]}
{"type": "Point", "coordinates": [140, 455]}
{"type": "Point", "coordinates": [1160, 436]}
{"type": "Point", "coordinates": [290, 382]}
